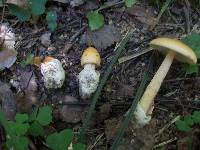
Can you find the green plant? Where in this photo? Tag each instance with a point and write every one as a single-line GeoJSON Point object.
{"type": "Point", "coordinates": [186, 123]}
{"type": "Point", "coordinates": [192, 40]}
{"type": "Point", "coordinates": [24, 126]}
{"type": "Point", "coordinates": [31, 10]}
{"type": "Point", "coordinates": [27, 61]}
{"type": "Point", "coordinates": [96, 19]}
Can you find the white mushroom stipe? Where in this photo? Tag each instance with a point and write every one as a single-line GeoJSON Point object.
{"type": "Point", "coordinates": [141, 118]}
{"type": "Point", "coordinates": [88, 80]}
{"type": "Point", "coordinates": [53, 74]}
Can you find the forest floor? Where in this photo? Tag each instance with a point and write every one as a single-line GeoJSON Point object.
{"type": "Point", "coordinates": [179, 93]}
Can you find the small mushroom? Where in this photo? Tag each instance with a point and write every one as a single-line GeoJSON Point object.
{"type": "Point", "coordinates": [89, 77]}
{"type": "Point", "coordinates": [173, 48]}
{"type": "Point", "coordinates": [53, 73]}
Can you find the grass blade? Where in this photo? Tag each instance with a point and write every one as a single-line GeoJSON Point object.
{"type": "Point", "coordinates": [118, 50]}
{"type": "Point", "coordinates": [129, 116]}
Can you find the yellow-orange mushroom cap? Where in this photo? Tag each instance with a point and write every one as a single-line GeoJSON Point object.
{"type": "Point", "coordinates": [183, 52]}
{"type": "Point", "coordinates": [48, 59]}
{"type": "Point", "coordinates": [90, 56]}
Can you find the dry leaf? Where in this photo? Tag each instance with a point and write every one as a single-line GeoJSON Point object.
{"type": "Point", "coordinates": [37, 61]}
{"type": "Point", "coordinates": [8, 103]}
{"type": "Point", "coordinates": [71, 113]}
{"type": "Point", "coordinates": [20, 3]}
{"type": "Point", "coordinates": [45, 39]}
{"type": "Point", "coordinates": [142, 13]}
{"type": "Point", "coordinates": [102, 38]}
{"type": "Point", "coordinates": [7, 58]}
{"type": "Point", "coordinates": [75, 3]}
{"type": "Point", "coordinates": [29, 94]}
{"type": "Point", "coordinates": [7, 50]}
{"type": "Point", "coordinates": [62, 1]}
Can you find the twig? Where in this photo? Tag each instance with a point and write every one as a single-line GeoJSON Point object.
{"type": "Point", "coordinates": [182, 79]}
{"type": "Point", "coordinates": [168, 125]}
{"type": "Point", "coordinates": [165, 142]}
{"type": "Point", "coordinates": [118, 50]}
{"type": "Point", "coordinates": [126, 58]}
{"type": "Point", "coordinates": [110, 4]}
{"type": "Point", "coordinates": [186, 10]}
{"type": "Point", "coordinates": [96, 141]}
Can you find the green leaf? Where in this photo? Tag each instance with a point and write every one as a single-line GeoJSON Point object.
{"type": "Point", "coordinates": [37, 6]}
{"type": "Point", "coordinates": [33, 115]}
{"type": "Point", "coordinates": [190, 69]}
{"type": "Point", "coordinates": [51, 16]}
{"type": "Point", "coordinates": [192, 40]}
{"type": "Point", "coordinates": [21, 118]}
{"type": "Point", "coordinates": [61, 140]}
{"type": "Point", "coordinates": [79, 146]}
{"type": "Point", "coordinates": [130, 3]}
{"type": "Point", "coordinates": [44, 116]}
{"type": "Point", "coordinates": [196, 116]}
{"type": "Point", "coordinates": [21, 13]}
{"type": "Point", "coordinates": [188, 120]}
{"type": "Point", "coordinates": [17, 128]}
{"type": "Point", "coordinates": [96, 20]}
{"type": "Point", "coordinates": [29, 59]}
{"type": "Point", "coordinates": [183, 126]}
{"type": "Point", "coordinates": [52, 25]}
{"type": "Point", "coordinates": [36, 129]}
{"type": "Point", "coordinates": [51, 19]}
{"type": "Point", "coordinates": [17, 143]}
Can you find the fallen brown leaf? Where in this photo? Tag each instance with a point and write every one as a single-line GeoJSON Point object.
{"type": "Point", "coordinates": [8, 102]}
{"type": "Point", "coordinates": [70, 113]}
{"type": "Point", "coordinates": [102, 38]}
{"type": "Point", "coordinates": [7, 58]}
{"type": "Point", "coordinates": [142, 13]}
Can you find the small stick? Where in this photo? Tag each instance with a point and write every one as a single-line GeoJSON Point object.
{"type": "Point", "coordinates": [96, 141]}
{"type": "Point", "coordinates": [168, 125]}
{"type": "Point", "coordinates": [126, 58]}
{"type": "Point", "coordinates": [165, 142]}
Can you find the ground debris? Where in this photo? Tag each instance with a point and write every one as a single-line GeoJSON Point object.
{"type": "Point", "coordinates": [102, 38]}
{"type": "Point", "coordinates": [70, 111]}
{"type": "Point", "coordinates": [45, 39]}
{"type": "Point", "coordinates": [28, 94]}
{"type": "Point", "coordinates": [142, 13]}
{"type": "Point", "coordinates": [8, 102]}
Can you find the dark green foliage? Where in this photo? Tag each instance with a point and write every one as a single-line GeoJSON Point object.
{"type": "Point", "coordinates": [186, 123]}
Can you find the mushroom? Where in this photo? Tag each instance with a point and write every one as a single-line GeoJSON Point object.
{"type": "Point", "coordinates": [89, 77]}
{"type": "Point", "coordinates": [173, 48]}
{"type": "Point", "coordinates": [53, 73]}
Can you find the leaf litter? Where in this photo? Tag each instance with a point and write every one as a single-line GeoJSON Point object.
{"type": "Point", "coordinates": [102, 38]}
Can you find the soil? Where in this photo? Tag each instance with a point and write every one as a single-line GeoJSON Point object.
{"type": "Point", "coordinates": [179, 93]}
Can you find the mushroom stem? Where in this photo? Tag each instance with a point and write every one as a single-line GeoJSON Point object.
{"type": "Point", "coordinates": [88, 80]}
{"type": "Point", "coordinates": [147, 99]}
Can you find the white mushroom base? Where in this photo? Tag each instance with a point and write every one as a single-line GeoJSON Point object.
{"type": "Point", "coordinates": [53, 74]}
{"type": "Point", "coordinates": [141, 118]}
{"type": "Point", "coordinates": [88, 80]}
